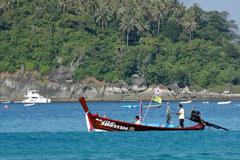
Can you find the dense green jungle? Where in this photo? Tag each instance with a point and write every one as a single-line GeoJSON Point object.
{"type": "Point", "coordinates": [162, 41]}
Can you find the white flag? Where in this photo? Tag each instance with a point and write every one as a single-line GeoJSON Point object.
{"type": "Point", "coordinates": [158, 91]}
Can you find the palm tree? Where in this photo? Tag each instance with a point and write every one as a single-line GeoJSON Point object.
{"type": "Point", "coordinates": [198, 13]}
{"type": "Point", "coordinates": [132, 18]}
{"type": "Point", "coordinates": [124, 3]}
{"type": "Point", "coordinates": [192, 19]}
{"type": "Point", "coordinates": [176, 9]}
{"type": "Point", "coordinates": [141, 25]}
{"type": "Point", "coordinates": [127, 25]}
{"type": "Point", "coordinates": [158, 13]}
{"type": "Point", "coordinates": [109, 3]}
{"type": "Point", "coordinates": [92, 6]}
{"type": "Point", "coordinates": [8, 5]}
{"type": "Point", "coordinates": [189, 24]}
{"type": "Point", "coordinates": [64, 5]}
{"type": "Point", "coordinates": [120, 12]}
{"type": "Point", "coordinates": [120, 51]}
{"type": "Point", "coordinates": [79, 4]}
{"type": "Point", "coordinates": [102, 15]}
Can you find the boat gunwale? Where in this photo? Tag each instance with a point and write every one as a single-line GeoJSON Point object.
{"type": "Point", "coordinates": [198, 126]}
{"type": "Point", "coordinates": [92, 119]}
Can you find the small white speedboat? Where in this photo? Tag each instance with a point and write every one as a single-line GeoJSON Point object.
{"type": "Point", "coordinates": [224, 102]}
{"type": "Point", "coordinates": [29, 104]}
{"type": "Point", "coordinates": [130, 106]}
{"type": "Point", "coordinates": [185, 102]}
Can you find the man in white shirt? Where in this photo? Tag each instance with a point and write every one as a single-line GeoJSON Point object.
{"type": "Point", "coordinates": [181, 115]}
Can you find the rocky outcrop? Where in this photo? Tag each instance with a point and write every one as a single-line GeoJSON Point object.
{"type": "Point", "coordinates": [60, 86]}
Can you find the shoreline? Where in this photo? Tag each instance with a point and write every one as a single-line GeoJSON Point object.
{"type": "Point", "coordinates": [229, 97]}
{"type": "Point", "coordinates": [14, 87]}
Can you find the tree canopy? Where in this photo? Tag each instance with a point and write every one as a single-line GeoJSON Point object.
{"type": "Point", "coordinates": [111, 40]}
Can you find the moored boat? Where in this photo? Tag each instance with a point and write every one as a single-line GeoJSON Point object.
{"type": "Point", "coordinates": [130, 106]}
{"type": "Point", "coordinates": [98, 123]}
{"type": "Point", "coordinates": [6, 102]}
{"type": "Point", "coordinates": [153, 106]}
{"type": "Point", "coordinates": [34, 97]}
{"type": "Point", "coordinates": [224, 102]}
{"type": "Point", "coordinates": [29, 104]}
{"type": "Point", "coordinates": [185, 102]}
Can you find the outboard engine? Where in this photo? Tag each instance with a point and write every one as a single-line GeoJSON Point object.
{"type": "Point", "coordinates": [195, 116]}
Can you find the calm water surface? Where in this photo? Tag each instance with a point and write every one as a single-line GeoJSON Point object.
{"type": "Point", "coordinates": [58, 131]}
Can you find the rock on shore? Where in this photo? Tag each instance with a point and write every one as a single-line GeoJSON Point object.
{"type": "Point", "coordinates": [61, 87]}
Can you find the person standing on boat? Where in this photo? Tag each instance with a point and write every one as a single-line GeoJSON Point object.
{"type": "Point", "coordinates": [181, 115]}
{"type": "Point", "coordinates": [168, 114]}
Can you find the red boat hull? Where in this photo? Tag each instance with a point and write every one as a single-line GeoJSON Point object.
{"type": "Point", "coordinates": [97, 123]}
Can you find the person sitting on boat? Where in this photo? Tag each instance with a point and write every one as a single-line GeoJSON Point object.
{"type": "Point", "coordinates": [181, 115]}
{"type": "Point", "coordinates": [168, 114]}
{"type": "Point", "coordinates": [137, 120]}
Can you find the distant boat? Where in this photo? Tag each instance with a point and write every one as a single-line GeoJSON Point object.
{"type": "Point", "coordinates": [34, 97]}
{"type": "Point", "coordinates": [29, 104]}
{"type": "Point", "coordinates": [17, 101]}
{"type": "Point", "coordinates": [6, 102]}
{"type": "Point", "coordinates": [205, 102]}
{"type": "Point", "coordinates": [185, 102]}
{"type": "Point", "coordinates": [153, 106]}
{"type": "Point", "coordinates": [130, 106]}
{"type": "Point", "coordinates": [224, 102]}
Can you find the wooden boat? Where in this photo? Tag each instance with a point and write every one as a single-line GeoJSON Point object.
{"type": "Point", "coordinates": [98, 123]}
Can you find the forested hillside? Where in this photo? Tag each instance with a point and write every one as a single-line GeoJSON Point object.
{"type": "Point", "coordinates": [111, 40]}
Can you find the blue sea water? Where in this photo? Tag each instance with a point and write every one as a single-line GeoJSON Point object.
{"type": "Point", "coordinates": [58, 131]}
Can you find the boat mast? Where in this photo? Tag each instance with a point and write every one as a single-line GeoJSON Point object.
{"type": "Point", "coordinates": [140, 110]}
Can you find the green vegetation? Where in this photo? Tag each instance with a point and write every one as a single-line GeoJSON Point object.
{"type": "Point", "coordinates": [160, 40]}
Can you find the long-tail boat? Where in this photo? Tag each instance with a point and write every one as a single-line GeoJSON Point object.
{"type": "Point", "coordinates": [98, 123]}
